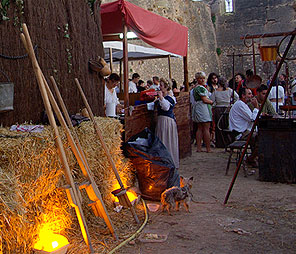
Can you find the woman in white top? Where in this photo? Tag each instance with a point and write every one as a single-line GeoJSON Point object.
{"type": "Point", "coordinates": [111, 101]}
{"type": "Point", "coordinates": [221, 98]}
{"type": "Point", "coordinates": [281, 96]}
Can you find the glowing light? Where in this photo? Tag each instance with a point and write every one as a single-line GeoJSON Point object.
{"type": "Point", "coordinates": [54, 244]}
{"type": "Point", "coordinates": [129, 35]}
{"type": "Point", "coordinates": [48, 241]}
{"type": "Point", "coordinates": [131, 196]}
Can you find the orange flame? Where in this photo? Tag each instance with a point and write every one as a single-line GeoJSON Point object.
{"type": "Point", "coordinates": [48, 241]}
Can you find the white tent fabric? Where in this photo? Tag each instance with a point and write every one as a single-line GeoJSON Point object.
{"type": "Point", "coordinates": [135, 52]}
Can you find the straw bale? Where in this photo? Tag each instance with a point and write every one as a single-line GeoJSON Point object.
{"type": "Point", "coordinates": [30, 177]}
{"type": "Point", "coordinates": [30, 173]}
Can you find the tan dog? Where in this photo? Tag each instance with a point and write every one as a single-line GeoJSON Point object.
{"type": "Point", "coordinates": [173, 196]}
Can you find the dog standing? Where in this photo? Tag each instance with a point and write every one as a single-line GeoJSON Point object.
{"type": "Point", "coordinates": [173, 196]}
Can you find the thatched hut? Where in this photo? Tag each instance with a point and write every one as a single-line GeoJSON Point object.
{"type": "Point", "coordinates": [66, 35]}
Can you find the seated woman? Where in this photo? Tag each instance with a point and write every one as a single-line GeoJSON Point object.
{"type": "Point", "coordinates": [111, 101]}
{"type": "Point", "coordinates": [166, 127]}
{"type": "Point", "coordinates": [222, 98]}
{"type": "Point", "coordinates": [202, 112]}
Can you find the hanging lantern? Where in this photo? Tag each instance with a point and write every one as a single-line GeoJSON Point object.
{"type": "Point", "coordinates": [268, 53]}
{"type": "Point", "coordinates": [50, 243]}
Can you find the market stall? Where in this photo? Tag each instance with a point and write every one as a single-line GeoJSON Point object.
{"type": "Point", "coordinates": [122, 16]}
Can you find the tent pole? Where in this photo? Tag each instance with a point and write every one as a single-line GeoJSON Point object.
{"type": "Point", "coordinates": [120, 74]}
{"type": "Point", "coordinates": [111, 59]}
{"type": "Point", "coordinates": [125, 67]}
{"type": "Point", "coordinates": [186, 73]}
{"type": "Point", "coordinates": [170, 69]}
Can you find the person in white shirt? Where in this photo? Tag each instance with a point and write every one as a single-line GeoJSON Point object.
{"type": "Point", "coordinates": [155, 83]}
{"type": "Point", "coordinates": [132, 85]}
{"type": "Point", "coordinates": [241, 120]}
{"type": "Point", "coordinates": [281, 96]}
{"type": "Point", "coordinates": [111, 101]}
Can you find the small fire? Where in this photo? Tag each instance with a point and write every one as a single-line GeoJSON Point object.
{"type": "Point", "coordinates": [131, 196]}
{"type": "Point", "coordinates": [49, 241]}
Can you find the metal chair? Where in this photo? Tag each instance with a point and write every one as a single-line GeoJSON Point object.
{"type": "Point", "coordinates": [237, 147]}
{"type": "Point", "coordinates": [222, 125]}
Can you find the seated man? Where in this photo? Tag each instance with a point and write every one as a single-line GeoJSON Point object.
{"type": "Point", "coordinates": [267, 108]}
{"type": "Point", "coordinates": [241, 120]}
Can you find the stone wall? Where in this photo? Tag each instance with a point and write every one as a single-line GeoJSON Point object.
{"type": "Point", "coordinates": [202, 40]}
{"type": "Point", "coordinates": [252, 17]}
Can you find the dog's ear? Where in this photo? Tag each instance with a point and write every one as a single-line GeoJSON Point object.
{"type": "Point", "coordinates": [191, 178]}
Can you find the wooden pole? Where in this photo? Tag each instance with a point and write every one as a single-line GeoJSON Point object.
{"type": "Point", "coordinates": [120, 74]}
{"type": "Point", "coordinates": [259, 36]}
{"type": "Point", "coordinates": [91, 188]}
{"type": "Point", "coordinates": [170, 69]}
{"type": "Point", "coordinates": [75, 198]}
{"type": "Point", "coordinates": [97, 129]}
{"type": "Point", "coordinates": [111, 59]}
{"type": "Point", "coordinates": [254, 59]}
{"type": "Point", "coordinates": [233, 81]}
{"type": "Point", "coordinates": [125, 67]}
{"type": "Point", "coordinates": [185, 63]}
{"type": "Point", "coordinates": [256, 120]}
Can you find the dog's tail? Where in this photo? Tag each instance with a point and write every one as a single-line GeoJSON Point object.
{"type": "Point", "coordinates": [162, 197]}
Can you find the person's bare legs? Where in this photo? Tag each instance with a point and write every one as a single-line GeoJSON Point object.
{"type": "Point", "coordinates": [199, 135]}
{"type": "Point", "coordinates": [207, 135]}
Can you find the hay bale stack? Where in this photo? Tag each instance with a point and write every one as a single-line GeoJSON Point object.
{"type": "Point", "coordinates": [31, 174]}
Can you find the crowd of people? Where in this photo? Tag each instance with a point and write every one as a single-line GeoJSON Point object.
{"type": "Point", "coordinates": [216, 104]}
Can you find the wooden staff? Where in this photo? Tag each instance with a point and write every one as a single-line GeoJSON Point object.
{"type": "Point", "coordinates": [91, 186]}
{"type": "Point", "coordinates": [72, 194]}
{"type": "Point", "coordinates": [97, 129]}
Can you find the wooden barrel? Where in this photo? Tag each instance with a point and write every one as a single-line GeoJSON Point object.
{"type": "Point", "coordinates": [276, 150]}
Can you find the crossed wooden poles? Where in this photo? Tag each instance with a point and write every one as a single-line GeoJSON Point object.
{"type": "Point", "coordinates": [73, 191]}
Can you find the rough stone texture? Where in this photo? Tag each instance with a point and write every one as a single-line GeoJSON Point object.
{"type": "Point", "coordinates": [202, 40]}
{"type": "Point", "coordinates": [252, 17]}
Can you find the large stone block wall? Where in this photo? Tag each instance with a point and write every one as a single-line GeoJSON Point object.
{"type": "Point", "coordinates": [252, 17]}
{"type": "Point", "coordinates": [202, 54]}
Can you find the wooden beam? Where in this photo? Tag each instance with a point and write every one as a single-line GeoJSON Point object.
{"type": "Point", "coordinates": [185, 63]}
{"type": "Point", "coordinates": [170, 69]}
{"type": "Point", "coordinates": [125, 67]}
{"type": "Point", "coordinates": [257, 36]}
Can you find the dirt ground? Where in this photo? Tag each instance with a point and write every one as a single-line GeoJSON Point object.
{"type": "Point", "coordinates": [260, 217]}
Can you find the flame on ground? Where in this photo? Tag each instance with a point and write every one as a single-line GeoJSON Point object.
{"type": "Point", "coordinates": [48, 241]}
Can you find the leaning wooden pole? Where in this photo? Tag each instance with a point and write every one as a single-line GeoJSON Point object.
{"type": "Point", "coordinates": [97, 129]}
{"type": "Point", "coordinates": [74, 198]}
{"type": "Point", "coordinates": [91, 187]}
{"type": "Point", "coordinates": [256, 120]}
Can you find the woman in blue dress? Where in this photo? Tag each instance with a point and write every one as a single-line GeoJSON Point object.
{"type": "Point", "coordinates": [166, 127]}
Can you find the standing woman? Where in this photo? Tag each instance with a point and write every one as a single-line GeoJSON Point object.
{"type": "Point", "coordinates": [212, 82]}
{"type": "Point", "coordinates": [166, 127]}
{"type": "Point", "coordinates": [222, 98]}
{"type": "Point", "coordinates": [202, 112]}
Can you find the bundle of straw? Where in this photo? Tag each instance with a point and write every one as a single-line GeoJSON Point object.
{"type": "Point", "coordinates": [31, 177]}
